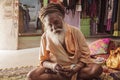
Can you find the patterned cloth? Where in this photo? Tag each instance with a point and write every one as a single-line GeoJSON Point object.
{"type": "Point", "coordinates": [99, 46]}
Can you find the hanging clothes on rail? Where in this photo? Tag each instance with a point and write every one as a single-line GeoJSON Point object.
{"type": "Point", "coordinates": [101, 26]}
{"type": "Point", "coordinates": [117, 23]}
{"type": "Point", "coordinates": [73, 9]}
{"type": "Point", "coordinates": [119, 19]}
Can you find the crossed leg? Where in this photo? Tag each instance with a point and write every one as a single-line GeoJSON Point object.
{"type": "Point", "coordinates": [40, 74]}
{"type": "Point", "coordinates": [87, 73]}
{"type": "Point", "coordinates": [90, 71]}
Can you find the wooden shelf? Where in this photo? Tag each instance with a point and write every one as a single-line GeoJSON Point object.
{"type": "Point", "coordinates": [30, 34]}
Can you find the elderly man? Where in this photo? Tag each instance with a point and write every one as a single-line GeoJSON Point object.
{"type": "Point", "coordinates": [64, 54]}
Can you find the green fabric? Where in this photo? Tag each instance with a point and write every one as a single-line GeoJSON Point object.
{"type": "Point", "coordinates": [45, 2]}
{"type": "Point", "coordinates": [85, 27]}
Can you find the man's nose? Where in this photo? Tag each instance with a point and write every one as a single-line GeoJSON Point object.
{"type": "Point", "coordinates": [54, 27]}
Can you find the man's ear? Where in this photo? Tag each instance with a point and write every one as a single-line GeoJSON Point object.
{"type": "Point", "coordinates": [45, 27]}
{"type": "Point", "coordinates": [43, 21]}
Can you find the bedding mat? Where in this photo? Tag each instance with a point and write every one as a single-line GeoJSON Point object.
{"type": "Point", "coordinates": [19, 73]}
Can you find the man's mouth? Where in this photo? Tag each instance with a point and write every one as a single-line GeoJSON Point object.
{"type": "Point", "coordinates": [58, 30]}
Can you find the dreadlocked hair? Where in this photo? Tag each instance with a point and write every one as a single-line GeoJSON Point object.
{"type": "Point", "coordinates": [51, 8]}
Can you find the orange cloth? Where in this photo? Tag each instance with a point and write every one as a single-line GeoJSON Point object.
{"type": "Point", "coordinates": [76, 48]}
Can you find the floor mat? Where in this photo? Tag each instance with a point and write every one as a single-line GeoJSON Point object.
{"type": "Point", "coordinates": [20, 73]}
{"type": "Point", "coordinates": [15, 73]}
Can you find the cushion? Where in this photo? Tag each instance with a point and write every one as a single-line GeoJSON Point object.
{"type": "Point", "coordinates": [99, 46]}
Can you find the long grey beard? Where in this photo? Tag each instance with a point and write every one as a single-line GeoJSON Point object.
{"type": "Point", "coordinates": [56, 37]}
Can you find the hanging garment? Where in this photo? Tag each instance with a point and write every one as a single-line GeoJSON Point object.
{"type": "Point", "coordinates": [101, 26]}
{"type": "Point", "coordinates": [93, 9]}
{"type": "Point", "coordinates": [93, 26]}
{"type": "Point", "coordinates": [73, 17]}
{"type": "Point", "coordinates": [73, 20]}
{"type": "Point", "coordinates": [115, 9]}
{"type": "Point", "coordinates": [119, 18]}
{"type": "Point", "coordinates": [114, 14]}
{"type": "Point", "coordinates": [85, 26]}
{"type": "Point", "coordinates": [106, 12]}
{"type": "Point", "coordinates": [85, 8]}
{"type": "Point", "coordinates": [110, 12]}
{"type": "Point", "coordinates": [117, 24]}
{"type": "Point", "coordinates": [108, 25]}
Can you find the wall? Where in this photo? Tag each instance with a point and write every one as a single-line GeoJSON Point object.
{"type": "Point", "coordinates": [8, 24]}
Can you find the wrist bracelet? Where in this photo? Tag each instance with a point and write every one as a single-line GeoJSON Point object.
{"type": "Point", "coordinates": [49, 65]}
{"type": "Point", "coordinates": [72, 66]}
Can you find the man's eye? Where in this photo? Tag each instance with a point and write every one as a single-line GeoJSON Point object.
{"type": "Point", "coordinates": [56, 22]}
{"type": "Point", "coordinates": [50, 25]}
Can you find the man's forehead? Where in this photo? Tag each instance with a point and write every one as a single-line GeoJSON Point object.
{"type": "Point", "coordinates": [52, 16]}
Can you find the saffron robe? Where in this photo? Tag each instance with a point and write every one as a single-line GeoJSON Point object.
{"type": "Point", "coordinates": [76, 48]}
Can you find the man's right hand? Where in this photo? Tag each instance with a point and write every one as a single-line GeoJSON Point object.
{"type": "Point", "coordinates": [63, 72]}
{"type": "Point", "coordinates": [58, 68]}
{"type": "Point", "coordinates": [69, 72]}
